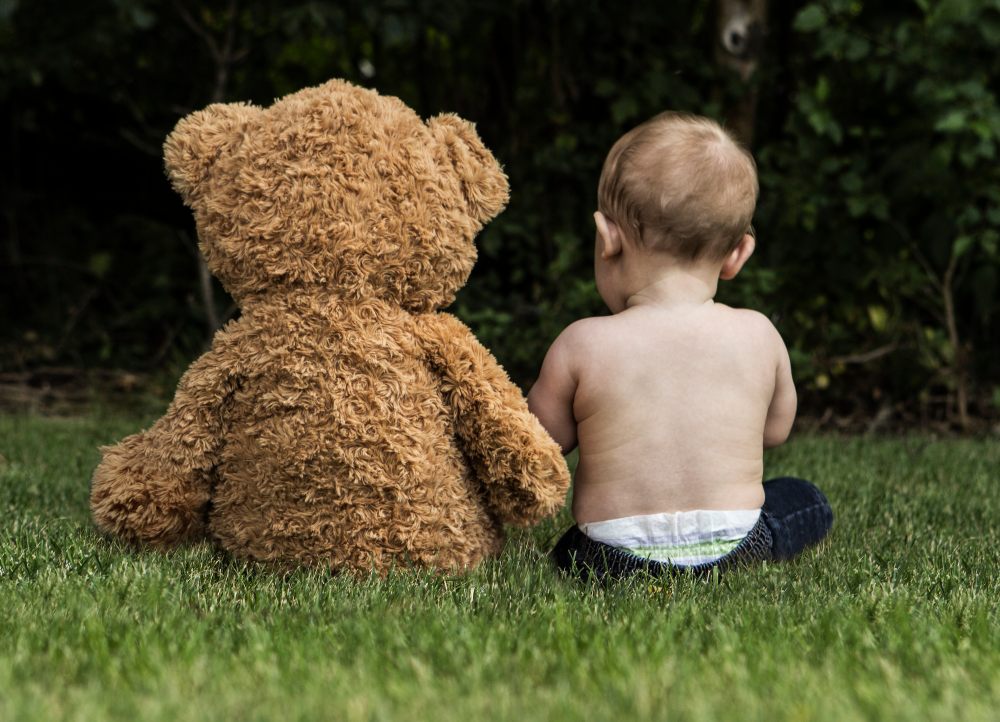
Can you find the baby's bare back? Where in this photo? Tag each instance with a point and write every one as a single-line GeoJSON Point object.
{"type": "Point", "coordinates": [670, 407]}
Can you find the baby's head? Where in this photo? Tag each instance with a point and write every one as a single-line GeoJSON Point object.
{"type": "Point", "coordinates": [681, 185]}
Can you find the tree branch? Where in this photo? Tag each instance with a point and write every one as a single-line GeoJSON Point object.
{"type": "Point", "coordinates": [223, 57]}
{"type": "Point", "coordinates": [199, 30]}
{"type": "Point", "coordinates": [866, 356]}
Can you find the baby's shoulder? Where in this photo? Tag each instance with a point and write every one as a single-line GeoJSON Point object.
{"type": "Point", "coordinates": [586, 334]}
{"type": "Point", "coordinates": [755, 320]}
{"type": "Point", "coordinates": [583, 339]}
{"type": "Point", "coordinates": [752, 327]}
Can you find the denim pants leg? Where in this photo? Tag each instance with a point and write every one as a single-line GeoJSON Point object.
{"type": "Point", "coordinates": [797, 513]}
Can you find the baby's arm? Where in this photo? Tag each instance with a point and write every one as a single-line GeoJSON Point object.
{"type": "Point", "coordinates": [781, 412]}
{"type": "Point", "coordinates": [551, 398]}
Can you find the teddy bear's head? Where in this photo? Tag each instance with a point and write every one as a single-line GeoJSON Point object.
{"type": "Point", "coordinates": [336, 189]}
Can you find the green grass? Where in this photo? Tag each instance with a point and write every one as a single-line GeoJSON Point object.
{"type": "Point", "coordinates": [895, 617]}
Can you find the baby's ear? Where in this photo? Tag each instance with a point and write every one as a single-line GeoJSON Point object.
{"type": "Point", "coordinates": [733, 263]}
{"type": "Point", "coordinates": [199, 140]}
{"type": "Point", "coordinates": [484, 183]}
{"type": "Point", "coordinates": [610, 235]}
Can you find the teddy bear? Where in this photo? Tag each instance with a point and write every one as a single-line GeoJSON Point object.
{"type": "Point", "coordinates": [343, 420]}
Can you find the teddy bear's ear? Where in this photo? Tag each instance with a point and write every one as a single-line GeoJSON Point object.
{"type": "Point", "coordinates": [199, 140]}
{"type": "Point", "coordinates": [484, 183]}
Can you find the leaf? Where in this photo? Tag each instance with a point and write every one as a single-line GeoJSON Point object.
{"type": "Point", "coordinates": [143, 18]}
{"type": "Point", "coordinates": [988, 241]}
{"type": "Point", "coordinates": [99, 264]}
{"type": "Point", "coordinates": [856, 48]}
{"type": "Point", "coordinates": [962, 245]}
{"type": "Point", "coordinates": [879, 317]}
{"type": "Point", "coordinates": [952, 121]}
{"type": "Point", "coordinates": [822, 91]}
{"type": "Point", "coordinates": [857, 207]}
{"type": "Point", "coordinates": [810, 19]}
{"type": "Point", "coordinates": [851, 182]}
{"type": "Point", "coordinates": [623, 109]}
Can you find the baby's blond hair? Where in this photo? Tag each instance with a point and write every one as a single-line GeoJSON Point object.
{"type": "Point", "coordinates": [681, 184]}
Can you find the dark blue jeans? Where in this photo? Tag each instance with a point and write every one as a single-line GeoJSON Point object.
{"type": "Point", "coordinates": [795, 516]}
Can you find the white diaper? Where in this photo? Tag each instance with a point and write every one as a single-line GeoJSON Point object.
{"type": "Point", "coordinates": [684, 538]}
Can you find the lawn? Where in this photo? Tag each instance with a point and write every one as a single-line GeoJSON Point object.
{"type": "Point", "coordinates": [895, 617]}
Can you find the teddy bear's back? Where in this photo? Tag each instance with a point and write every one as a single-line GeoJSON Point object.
{"type": "Point", "coordinates": [339, 449]}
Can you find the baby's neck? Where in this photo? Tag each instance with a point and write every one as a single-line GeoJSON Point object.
{"type": "Point", "coordinates": [669, 285]}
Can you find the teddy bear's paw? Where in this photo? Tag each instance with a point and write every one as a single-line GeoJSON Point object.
{"type": "Point", "coordinates": [134, 506]}
{"type": "Point", "coordinates": [145, 526]}
{"type": "Point", "coordinates": [537, 493]}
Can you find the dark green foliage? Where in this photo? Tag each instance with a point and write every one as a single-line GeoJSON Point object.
{"type": "Point", "coordinates": [881, 199]}
{"type": "Point", "coordinates": [877, 139]}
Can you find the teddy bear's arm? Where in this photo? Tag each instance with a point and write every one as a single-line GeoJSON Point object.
{"type": "Point", "coordinates": [521, 468]}
{"type": "Point", "coordinates": [153, 487]}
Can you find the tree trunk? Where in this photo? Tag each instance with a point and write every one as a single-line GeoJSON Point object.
{"type": "Point", "coordinates": [957, 368]}
{"type": "Point", "coordinates": [224, 55]}
{"type": "Point", "coordinates": [740, 29]}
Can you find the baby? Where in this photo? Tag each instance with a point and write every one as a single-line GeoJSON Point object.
{"type": "Point", "coordinates": [673, 398]}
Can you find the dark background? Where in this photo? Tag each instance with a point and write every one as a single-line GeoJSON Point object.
{"type": "Point", "coordinates": [875, 126]}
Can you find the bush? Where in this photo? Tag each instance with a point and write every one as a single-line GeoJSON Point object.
{"type": "Point", "coordinates": [876, 136]}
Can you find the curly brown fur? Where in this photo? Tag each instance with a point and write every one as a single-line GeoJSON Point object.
{"type": "Point", "coordinates": [340, 421]}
